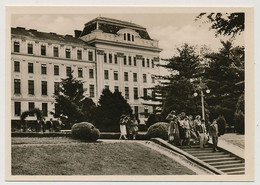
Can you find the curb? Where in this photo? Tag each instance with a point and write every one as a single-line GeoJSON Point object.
{"type": "Point", "coordinates": [187, 155]}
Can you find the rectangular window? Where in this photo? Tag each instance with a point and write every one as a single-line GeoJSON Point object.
{"type": "Point", "coordinates": [67, 53]}
{"type": "Point", "coordinates": [130, 60]}
{"type": "Point", "coordinates": [43, 50]}
{"type": "Point", "coordinates": [146, 114]}
{"type": "Point", "coordinates": [110, 58]}
{"type": "Point", "coordinates": [106, 75]}
{"type": "Point", "coordinates": [143, 62]}
{"type": "Point", "coordinates": [31, 107]}
{"type": "Point", "coordinates": [68, 71]}
{"type": "Point", "coordinates": [56, 70]}
{"type": "Point", "coordinates": [133, 38]}
{"type": "Point", "coordinates": [55, 51]}
{"type": "Point", "coordinates": [134, 61]}
{"type": "Point", "coordinates": [135, 93]}
{"type": "Point", "coordinates": [115, 75]}
{"type": "Point", "coordinates": [128, 37]}
{"type": "Point", "coordinates": [16, 47]}
{"type": "Point", "coordinates": [17, 86]}
{"type": "Point", "coordinates": [91, 91]}
{"type": "Point", "coordinates": [56, 88]}
{"type": "Point", "coordinates": [44, 87]}
{"type": "Point", "coordinates": [135, 77]}
{"type": "Point", "coordinates": [30, 48]}
{"type": "Point", "coordinates": [152, 63]}
{"type": "Point", "coordinates": [115, 58]}
{"type": "Point", "coordinates": [148, 62]}
{"type": "Point", "coordinates": [105, 57]}
{"type": "Point", "coordinates": [116, 88]}
{"type": "Point", "coordinates": [45, 109]}
{"type": "Point", "coordinates": [106, 86]}
{"type": "Point", "coordinates": [124, 60]}
{"type": "Point", "coordinates": [44, 69]}
{"type": "Point", "coordinates": [16, 66]}
{"type": "Point", "coordinates": [30, 67]}
{"type": "Point", "coordinates": [144, 78]}
{"type": "Point", "coordinates": [17, 108]}
{"type": "Point", "coordinates": [126, 76]}
{"type": "Point", "coordinates": [91, 73]}
{"type": "Point", "coordinates": [80, 72]}
{"type": "Point", "coordinates": [79, 54]}
{"type": "Point", "coordinates": [145, 93]}
{"type": "Point", "coordinates": [153, 78]}
{"type": "Point", "coordinates": [126, 92]}
{"type": "Point", "coordinates": [90, 56]}
{"type": "Point", "coordinates": [31, 87]}
{"type": "Point", "coordinates": [136, 110]}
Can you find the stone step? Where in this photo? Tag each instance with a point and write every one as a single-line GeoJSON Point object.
{"type": "Point", "coordinates": [202, 154]}
{"type": "Point", "coordinates": [193, 147]}
{"type": "Point", "coordinates": [229, 165]}
{"type": "Point", "coordinates": [214, 156]}
{"type": "Point", "coordinates": [198, 149]}
{"type": "Point", "coordinates": [242, 172]}
{"type": "Point", "coordinates": [222, 159]}
{"type": "Point", "coordinates": [233, 169]}
{"type": "Point", "coordinates": [231, 162]}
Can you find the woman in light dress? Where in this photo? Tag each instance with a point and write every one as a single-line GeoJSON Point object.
{"type": "Point", "coordinates": [123, 122]}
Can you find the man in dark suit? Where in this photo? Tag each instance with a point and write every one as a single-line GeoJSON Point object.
{"type": "Point", "coordinates": [213, 132]}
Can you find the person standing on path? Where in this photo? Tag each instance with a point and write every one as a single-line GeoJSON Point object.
{"type": "Point", "coordinates": [213, 132]}
{"type": "Point", "coordinates": [201, 129]}
{"type": "Point", "coordinates": [123, 122]}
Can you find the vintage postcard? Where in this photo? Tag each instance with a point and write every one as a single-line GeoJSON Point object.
{"type": "Point", "coordinates": [129, 93]}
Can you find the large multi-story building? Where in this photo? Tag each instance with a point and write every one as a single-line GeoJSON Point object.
{"type": "Point", "coordinates": [107, 53]}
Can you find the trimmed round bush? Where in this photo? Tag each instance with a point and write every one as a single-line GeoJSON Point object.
{"type": "Point", "coordinates": [85, 131]}
{"type": "Point", "coordinates": [159, 129]}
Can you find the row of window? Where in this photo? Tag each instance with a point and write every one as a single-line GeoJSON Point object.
{"type": "Point", "coordinates": [55, 51]}
{"type": "Point", "coordinates": [135, 92]}
{"type": "Point", "coordinates": [129, 37]}
{"type": "Point", "coordinates": [128, 60]}
{"type": "Point", "coordinates": [106, 76]}
{"type": "Point", "coordinates": [31, 105]}
{"type": "Point", "coordinates": [44, 88]}
{"type": "Point", "coordinates": [56, 69]}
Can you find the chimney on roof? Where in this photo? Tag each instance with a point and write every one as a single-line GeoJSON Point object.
{"type": "Point", "coordinates": [32, 30]}
{"type": "Point", "coordinates": [77, 33]}
{"type": "Point", "coordinates": [20, 28]}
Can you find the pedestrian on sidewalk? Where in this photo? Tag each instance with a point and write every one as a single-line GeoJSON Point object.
{"type": "Point", "coordinates": [123, 122]}
{"type": "Point", "coordinates": [213, 132]}
{"type": "Point", "coordinates": [134, 127]}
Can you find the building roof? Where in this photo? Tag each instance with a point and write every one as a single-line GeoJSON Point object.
{"type": "Point", "coordinates": [108, 25]}
{"type": "Point", "coordinates": [67, 39]}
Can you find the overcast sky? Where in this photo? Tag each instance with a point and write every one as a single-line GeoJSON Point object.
{"type": "Point", "coordinates": [171, 30]}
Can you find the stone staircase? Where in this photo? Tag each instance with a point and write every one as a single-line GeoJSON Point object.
{"type": "Point", "coordinates": [221, 160]}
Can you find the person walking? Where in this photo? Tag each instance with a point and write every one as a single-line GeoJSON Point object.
{"type": "Point", "coordinates": [51, 126]}
{"type": "Point", "coordinates": [201, 129]}
{"type": "Point", "coordinates": [192, 129]}
{"type": "Point", "coordinates": [123, 122]}
{"type": "Point", "coordinates": [134, 127]}
{"type": "Point", "coordinates": [187, 135]}
{"type": "Point", "coordinates": [213, 132]}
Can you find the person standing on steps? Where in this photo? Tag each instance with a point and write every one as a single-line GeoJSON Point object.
{"type": "Point", "coordinates": [201, 129]}
{"type": "Point", "coordinates": [213, 132]}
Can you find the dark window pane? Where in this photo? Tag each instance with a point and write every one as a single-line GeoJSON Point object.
{"type": "Point", "coordinates": [30, 67]}
{"type": "Point", "coordinates": [91, 73]}
{"type": "Point", "coordinates": [44, 87]}
{"type": "Point", "coordinates": [67, 52]}
{"type": "Point", "coordinates": [30, 48]}
{"type": "Point", "coordinates": [68, 71]}
{"type": "Point", "coordinates": [79, 54]}
{"type": "Point", "coordinates": [45, 109]}
{"type": "Point", "coordinates": [56, 70]}
{"type": "Point", "coordinates": [90, 56]}
{"type": "Point", "coordinates": [17, 86]}
{"type": "Point", "coordinates": [16, 47]}
{"type": "Point", "coordinates": [55, 51]}
{"type": "Point", "coordinates": [80, 72]}
{"type": "Point", "coordinates": [44, 69]}
{"type": "Point", "coordinates": [31, 87]}
{"type": "Point", "coordinates": [16, 66]}
{"type": "Point", "coordinates": [17, 108]}
{"type": "Point", "coordinates": [43, 50]}
{"type": "Point", "coordinates": [91, 91]}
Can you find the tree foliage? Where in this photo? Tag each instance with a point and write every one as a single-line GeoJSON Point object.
{"type": "Point", "coordinates": [109, 110]}
{"type": "Point", "coordinates": [229, 24]}
{"type": "Point", "coordinates": [71, 104]}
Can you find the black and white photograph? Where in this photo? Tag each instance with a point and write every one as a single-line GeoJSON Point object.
{"type": "Point", "coordinates": [129, 93]}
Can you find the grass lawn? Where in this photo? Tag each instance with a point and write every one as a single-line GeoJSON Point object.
{"type": "Point", "coordinates": [235, 139]}
{"type": "Point", "coordinates": [78, 158]}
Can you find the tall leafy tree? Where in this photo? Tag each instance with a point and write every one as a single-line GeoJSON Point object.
{"type": "Point", "coordinates": [71, 104]}
{"type": "Point", "coordinates": [109, 110]}
{"type": "Point", "coordinates": [229, 24]}
{"type": "Point", "coordinates": [225, 77]}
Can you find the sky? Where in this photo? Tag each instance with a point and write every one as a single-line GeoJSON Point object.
{"type": "Point", "coordinates": [171, 30]}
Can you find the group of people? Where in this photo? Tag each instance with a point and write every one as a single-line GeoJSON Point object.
{"type": "Point", "coordinates": [128, 127]}
{"type": "Point", "coordinates": [51, 126]}
{"type": "Point", "coordinates": [183, 129]}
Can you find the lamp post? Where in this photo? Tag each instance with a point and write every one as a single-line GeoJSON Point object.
{"type": "Point", "coordinates": [201, 87]}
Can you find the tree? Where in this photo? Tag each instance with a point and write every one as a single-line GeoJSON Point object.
{"type": "Point", "coordinates": [71, 104]}
{"type": "Point", "coordinates": [178, 87]}
{"type": "Point", "coordinates": [225, 23]}
{"type": "Point", "coordinates": [109, 110]}
{"type": "Point", "coordinates": [223, 73]}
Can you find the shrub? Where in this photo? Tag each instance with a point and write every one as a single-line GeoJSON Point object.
{"type": "Point", "coordinates": [240, 122]}
{"type": "Point", "coordinates": [85, 131]}
{"type": "Point", "coordinates": [152, 119]}
{"type": "Point", "coordinates": [142, 128]}
{"type": "Point", "coordinates": [159, 129]}
{"type": "Point", "coordinates": [221, 121]}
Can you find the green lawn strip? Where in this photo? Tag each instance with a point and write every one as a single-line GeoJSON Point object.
{"type": "Point", "coordinates": [93, 159]}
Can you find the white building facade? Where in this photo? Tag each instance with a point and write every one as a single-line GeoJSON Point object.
{"type": "Point", "coordinates": [107, 53]}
